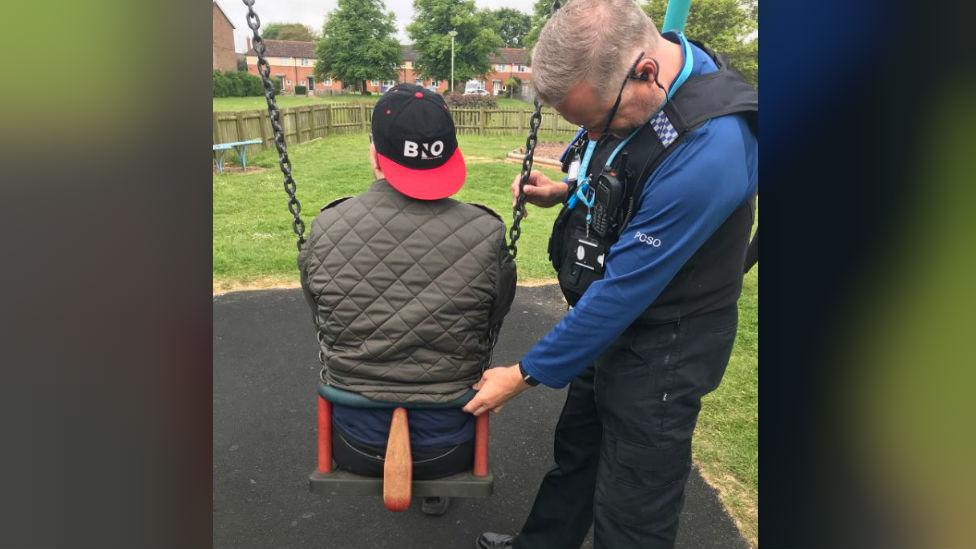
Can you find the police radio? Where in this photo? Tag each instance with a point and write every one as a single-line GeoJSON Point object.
{"type": "Point", "coordinates": [610, 191]}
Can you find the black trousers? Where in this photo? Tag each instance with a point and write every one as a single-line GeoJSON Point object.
{"type": "Point", "coordinates": [623, 441]}
{"type": "Point", "coordinates": [428, 463]}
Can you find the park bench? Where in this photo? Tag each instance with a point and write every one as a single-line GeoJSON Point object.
{"type": "Point", "coordinates": [239, 146]}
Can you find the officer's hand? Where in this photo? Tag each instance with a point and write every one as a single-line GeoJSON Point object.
{"type": "Point", "coordinates": [496, 386]}
{"type": "Point", "coordinates": [540, 190]}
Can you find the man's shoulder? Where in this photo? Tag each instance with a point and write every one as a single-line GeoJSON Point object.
{"type": "Point", "coordinates": [473, 211]}
{"type": "Point", "coordinates": [335, 203]}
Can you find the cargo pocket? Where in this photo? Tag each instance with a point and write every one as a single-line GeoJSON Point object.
{"type": "Point", "coordinates": [647, 482]}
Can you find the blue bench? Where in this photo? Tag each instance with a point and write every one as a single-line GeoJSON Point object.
{"type": "Point", "coordinates": [239, 146]}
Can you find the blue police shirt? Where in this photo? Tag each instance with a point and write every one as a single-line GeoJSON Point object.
{"type": "Point", "coordinates": [684, 201]}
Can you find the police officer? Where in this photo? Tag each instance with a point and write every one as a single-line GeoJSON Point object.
{"type": "Point", "coordinates": [657, 207]}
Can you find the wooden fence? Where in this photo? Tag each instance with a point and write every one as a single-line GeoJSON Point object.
{"type": "Point", "coordinates": [310, 122]}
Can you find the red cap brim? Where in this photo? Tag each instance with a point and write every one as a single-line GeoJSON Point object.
{"type": "Point", "coordinates": [432, 184]}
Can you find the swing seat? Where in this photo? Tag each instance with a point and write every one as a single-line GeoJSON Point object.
{"type": "Point", "coordinates": [397, 485]}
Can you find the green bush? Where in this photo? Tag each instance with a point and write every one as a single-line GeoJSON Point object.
{"type": "Point", "coordinates": [470, 101]}
{"type": "Point", "coordinates": [301, 90]}
{"type": "Point", "coordinates": [255, 87]}
{"type": "Point", "coordinates": [238, 87]}
{"type": "Point", "coordinates": [236, 84]}
{"type": "Point", "coordinates": [221, 84]}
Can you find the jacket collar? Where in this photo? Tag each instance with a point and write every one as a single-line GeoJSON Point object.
{"type": "Point", "coordinates": [381, 185]}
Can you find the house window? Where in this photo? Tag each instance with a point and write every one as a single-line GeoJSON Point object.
{"type": "Point", "coordinates": [389, 83]}
{"type": "Point", "coordinates": [521, 68]}
{"type": "Point", "coordinates": [328, 82]}
{"type": "Point", "coordinates": [435, 83]}
{"type": "Point", "coordinates": [374, 82]}
{"type": "Point", "coordinates": [418, 82]}
{"type": "Point", "coordinates": [500, 68]}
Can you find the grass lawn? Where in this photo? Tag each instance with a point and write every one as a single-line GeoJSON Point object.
{"type": "Point", "coordinates": [253, 245]}
{"type": "Point", "coordinates": [284, 101]}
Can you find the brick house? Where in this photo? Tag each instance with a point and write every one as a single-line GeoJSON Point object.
{"type": "Point", "coordinates": [406, 72]}
{"type": "Point", "coordinates": [293, 63]}
{"type": "Point", "coordinates": [224, 57]}
{"type": "Point", "coordinates": [507, 63]}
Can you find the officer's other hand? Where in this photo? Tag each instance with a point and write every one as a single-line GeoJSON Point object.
{"type": "Point", "coordinates": [540, 190]}
{"type": "Point", "coordinates": [496, 387]}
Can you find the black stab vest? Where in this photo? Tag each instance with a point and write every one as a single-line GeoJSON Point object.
{"type": "Point", "coordinates": [712, 277]}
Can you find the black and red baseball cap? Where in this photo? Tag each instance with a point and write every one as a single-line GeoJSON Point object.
{"type": "Point", "coordinates": [416, 143]}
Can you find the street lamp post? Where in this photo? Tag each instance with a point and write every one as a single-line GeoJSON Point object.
{"type": "Point", "coordinates": [452, 34]}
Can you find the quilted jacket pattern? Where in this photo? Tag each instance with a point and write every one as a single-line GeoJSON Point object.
{"type": "Point", "coordinates": [403, 293]}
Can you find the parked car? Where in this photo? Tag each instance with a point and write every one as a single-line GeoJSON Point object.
{"type": "Point", "coordinates": [473, 87]}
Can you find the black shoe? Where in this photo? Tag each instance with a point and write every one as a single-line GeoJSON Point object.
{"type": "Point", "coordinates": [491, 540]}
{"type": "Point", "coordinates": [435, 506]}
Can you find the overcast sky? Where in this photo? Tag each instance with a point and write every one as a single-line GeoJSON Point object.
{"type": "Point", "coordinates": [312, 13]}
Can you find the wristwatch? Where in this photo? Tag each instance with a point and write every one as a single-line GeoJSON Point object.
{"type": "Point", "coordinates": [529, 380]}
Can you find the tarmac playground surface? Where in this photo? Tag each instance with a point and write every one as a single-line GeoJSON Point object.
{"type": "Point", "coordinates": [265, 368]}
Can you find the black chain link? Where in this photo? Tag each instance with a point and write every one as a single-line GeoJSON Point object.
{"type": "Point", "coordinates": [264, 69]}
{"type": "Point", "coordinates": [518, 211]}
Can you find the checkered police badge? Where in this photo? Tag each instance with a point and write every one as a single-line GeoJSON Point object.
{"type": "Point", "coordinates": [663, 128]}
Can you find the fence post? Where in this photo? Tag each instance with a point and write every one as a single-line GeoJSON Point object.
{"type": "Point", "coordinates": [328, 120]}
{"type": "Point", "coordinates": [362, 116]}
{"type": "Point", "coordinates": [265, 124]}
{"type": "Point", "coordinates": [484, 121]}
{"type": "Point", "coordinates": [298, 124]}
{"type": "Point", "coordinates": [216, 129]}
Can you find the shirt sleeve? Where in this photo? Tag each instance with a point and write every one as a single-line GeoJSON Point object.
{"type": "Point", "coordinates": [686, 199]}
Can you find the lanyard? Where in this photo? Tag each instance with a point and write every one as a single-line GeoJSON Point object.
{"type": "Point", "coordinates": [583, 193]}
{"type": "Point", "coordinates": [582, 190]}
{"type": "Point", "coordinates": [685, 69]}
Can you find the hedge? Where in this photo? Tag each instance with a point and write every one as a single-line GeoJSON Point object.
{"type": "Point", "coordinates": [236, 84]}
{"type": "Point", "coordinates": [458, 100]}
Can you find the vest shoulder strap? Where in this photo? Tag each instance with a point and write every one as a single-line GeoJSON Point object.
{"type": "Point", "coordinates": [699, 99]}
{"type": "Point", "coordinates": [713, 95]}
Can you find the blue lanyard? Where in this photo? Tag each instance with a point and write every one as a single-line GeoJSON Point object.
{"type": "Point", "coordinates": [685, 69]}
{"type": "Point", "coordinates": [583, 192]}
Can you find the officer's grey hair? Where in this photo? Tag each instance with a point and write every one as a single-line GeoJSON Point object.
{"type": "Point", "coordinates": [591, 41]}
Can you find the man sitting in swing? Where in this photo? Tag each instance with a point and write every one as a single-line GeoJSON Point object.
{"type": "Point", "coordinates": [408, 289]}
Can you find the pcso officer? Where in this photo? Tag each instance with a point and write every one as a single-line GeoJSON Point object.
{"type": "Point", "coordinates": [657, 206]}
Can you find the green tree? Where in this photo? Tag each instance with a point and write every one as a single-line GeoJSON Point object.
{"type": "Point", "coordinates": [288, 31]}
{"type": "Point", "coordinates": [727, 26]}
{"type": "Point", "coordinates": [475, 40]}
{"type": "Point", "coordinates": [540, 14]}
{"type": "Point", "coordinates": [514, 85]}
{"type": "Point", "coordinates": [358, 43]}
{"type": "Point", "coordinates": [510, 25]}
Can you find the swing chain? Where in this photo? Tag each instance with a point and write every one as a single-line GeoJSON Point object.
{"type": "Point", "coordinates": [518, 211]}
{"type": "Point", "coordinates": [264, 69]}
